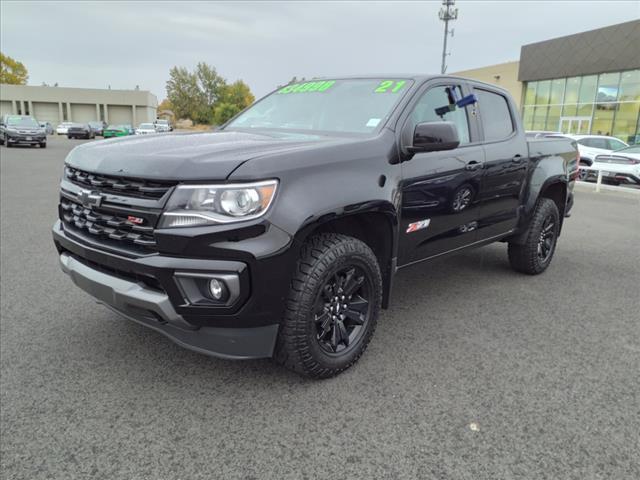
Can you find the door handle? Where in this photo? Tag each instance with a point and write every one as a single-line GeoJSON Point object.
{"type": "Point", "coordinates": [517, 158]}
{"type": "Point", "coordinates": [473, 165]}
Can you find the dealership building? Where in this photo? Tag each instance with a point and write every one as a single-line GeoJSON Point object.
{"type": "Point", "coordinates": [58, 104]}
{"type": "Point", "coordinates": [587, 83]}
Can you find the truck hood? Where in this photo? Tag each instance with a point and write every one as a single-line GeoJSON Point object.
{"type": "Point", "coordinates": [186, 156]}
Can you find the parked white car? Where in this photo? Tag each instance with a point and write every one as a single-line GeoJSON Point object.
{"type": "Point", "coordinates": [163, 125]}
{"type": "Point", "coordinates": [63, 128]}
{"type": "Point", "coordinates": [591, 145]}
{"type": "Point", "coordinates": [620, 166]}
{"type": "Point", "coordinates": [145, 129]}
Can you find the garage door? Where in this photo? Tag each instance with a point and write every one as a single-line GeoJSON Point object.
{"type": "Point", "coordinates": [119, 114]}
{"type": "Point", "coordinates": [5, 108]}
{"type": "Point", "coordinates": [46, 112]}
{"type": "Point", "coordinates": [82, 113]}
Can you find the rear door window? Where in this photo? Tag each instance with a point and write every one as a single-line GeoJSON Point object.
{"type": "Point", "coordinates": [599, 143]}
{"type": "Point", "coordinates": [495, 114]}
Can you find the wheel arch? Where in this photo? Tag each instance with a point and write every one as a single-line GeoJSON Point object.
{"type": "Point", "coordinates": [554, 188]}
{"type": "Point", "coordinates": [376, 228]}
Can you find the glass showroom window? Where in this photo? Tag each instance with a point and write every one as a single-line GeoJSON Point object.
{"type": "Point", "coordinates": [606, 97]}
{"type": "Point", "coordinates": [542, 93]}
{"type": "Point", "coordinates": [530, 93]}
{"type": "Point", "coordinates": [557, 91]}
{"type": "Point", "coordinates": [626, 124]}
{"type": "Point", "coordinates": [540, 117]}
{"type": "Point", "coordinates": [605, 104]}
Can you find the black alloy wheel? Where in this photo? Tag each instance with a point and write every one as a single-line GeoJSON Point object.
{"type": "Point", "coordinates": [532, 252]}
{"type": "Point", "coordinates": [332, 308]}
{"type": "Point", "coordinates": [547, 238]}
{"type": "Point", "coordinates": [343, 310]}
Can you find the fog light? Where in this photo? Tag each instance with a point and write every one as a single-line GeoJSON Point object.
{"type": "Point", "coordinates": [216, 287]}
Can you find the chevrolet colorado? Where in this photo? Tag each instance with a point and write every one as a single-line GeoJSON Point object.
{"type": "Point", "coordinates": [279, 234]}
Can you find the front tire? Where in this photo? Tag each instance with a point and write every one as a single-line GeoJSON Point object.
{"type": "Point", "coordinates": [534, 255]}
{"type": "Point", "coordinates": [332, 308]}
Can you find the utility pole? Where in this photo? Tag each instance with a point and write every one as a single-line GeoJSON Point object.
{"type": "Point", "coordinates": [447, 13]}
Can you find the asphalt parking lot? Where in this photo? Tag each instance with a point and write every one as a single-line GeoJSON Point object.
{"type": "Point", "coordinates": [476, 372]}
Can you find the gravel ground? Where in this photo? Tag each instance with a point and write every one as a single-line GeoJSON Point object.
{"type": "Point", "coordinates": [476, 372]}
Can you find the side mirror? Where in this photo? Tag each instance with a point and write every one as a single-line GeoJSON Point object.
{"type": "Point", "coordinates": [434, 136]}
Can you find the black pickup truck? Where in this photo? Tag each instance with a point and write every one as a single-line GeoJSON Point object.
{"type": "Point", "coordinates": [279, 235]}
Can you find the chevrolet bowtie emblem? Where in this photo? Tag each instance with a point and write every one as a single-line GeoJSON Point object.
{"type": "Point", "coordinates": [89, 199]}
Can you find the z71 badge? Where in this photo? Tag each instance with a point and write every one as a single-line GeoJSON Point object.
{"type": "Point", "coordinates": [414, 227]}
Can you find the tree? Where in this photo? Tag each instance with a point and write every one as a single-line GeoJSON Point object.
{"type": "Point", "coordinates": [12, 71]}
{"type": "Point", "coordinates": [204, 96]}
{"type": "Point", "coordinates": [183, 92]}
{"type": "Point", "coordinates": [165, 105]}
{"type": "Point", "coordinates": [235, 98]}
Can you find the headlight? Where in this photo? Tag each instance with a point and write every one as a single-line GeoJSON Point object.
{"type": "Point", "coordinates": [193, 205]}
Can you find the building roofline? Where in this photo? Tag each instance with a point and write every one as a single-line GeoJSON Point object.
{"type": "Point", "coordinates": [581, 33]}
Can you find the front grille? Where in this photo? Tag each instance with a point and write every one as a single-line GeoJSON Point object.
{"type": "Point", "coordinates": [118, 185]}
{"type": "Point", "coordinates": [110, 227]}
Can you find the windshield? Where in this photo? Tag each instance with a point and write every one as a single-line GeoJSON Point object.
{"type": "Point", "coordinates": [114, 127]}
{"type": "Point", "coordinates": [17, 121]}
{"type": "Point", "coordinates": [95, 124]}
{"type": "Point", "coordinates": [349, 106]}
{"type": "Point", "coordinates": [631, 149]}
{"type": "Point", "coordinates": [146, 126]}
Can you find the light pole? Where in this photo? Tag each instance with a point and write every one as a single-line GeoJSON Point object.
{"type": "Point", "coordinates": [447, 13]}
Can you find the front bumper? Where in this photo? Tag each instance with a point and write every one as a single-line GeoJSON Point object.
{"type": "Point", "coordinates": [123, 285]}
{"type": "Point", "coordinates": [19, 139]}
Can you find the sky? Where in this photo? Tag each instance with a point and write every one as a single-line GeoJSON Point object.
{"type": "Point", "coordinates": [96, 44]}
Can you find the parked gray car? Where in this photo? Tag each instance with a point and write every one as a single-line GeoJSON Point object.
{"type": "Point", "coordinates": [21, 130]}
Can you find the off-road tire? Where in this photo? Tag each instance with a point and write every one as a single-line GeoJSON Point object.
{"type": "Point", "coordinates": [297, 347]}
{"type": "Point", "coordinates": [524, 257]}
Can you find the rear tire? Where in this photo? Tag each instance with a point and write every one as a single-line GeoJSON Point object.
{"type": "Point", "coordinates": [534, 255]}
{"type": "Point", "coordinates": [332, 308]}
{"type": "Point", "coordinates": [43, 145]}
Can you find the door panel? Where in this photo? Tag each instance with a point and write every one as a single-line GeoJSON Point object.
{"type": "Point", "coordinates": [503, 179]}
{"type": "Point", "coordinates": [439, 203]}
{"type": "Point", "coordinates": [439, 189]}
{"type": "Point", "coordinates": [506, 160]}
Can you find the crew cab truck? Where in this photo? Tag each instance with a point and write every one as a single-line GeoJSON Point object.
{"type": "Point", "coordinates": [279, 234]}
